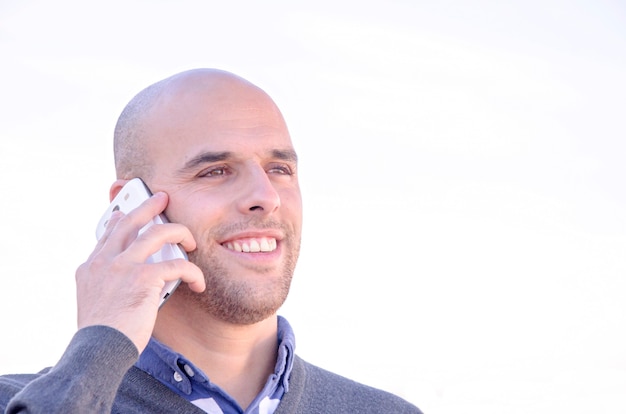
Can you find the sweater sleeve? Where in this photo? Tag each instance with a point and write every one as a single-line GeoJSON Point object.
{"type": "Point", "coordinates": [85, 379]}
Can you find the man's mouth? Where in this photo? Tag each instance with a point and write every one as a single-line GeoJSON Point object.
{"type": "Point", "coordinates": [252, 245]}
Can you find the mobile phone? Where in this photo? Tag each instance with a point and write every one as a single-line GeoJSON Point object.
{"type": "Point", "coordinates": [130, 197]}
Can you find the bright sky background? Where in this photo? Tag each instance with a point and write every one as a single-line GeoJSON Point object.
{"type": "Point", "coordinates": [462, 167]}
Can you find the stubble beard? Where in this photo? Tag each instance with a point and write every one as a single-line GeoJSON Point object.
{"type": "Point", "coordinates": [236, 300]}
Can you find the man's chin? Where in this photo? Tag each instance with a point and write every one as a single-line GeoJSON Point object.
{"type": "Point", "coordinates": [235, 305]}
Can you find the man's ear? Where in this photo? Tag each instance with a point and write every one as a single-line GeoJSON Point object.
{"type": "Point", "coordinates": [116, 187]}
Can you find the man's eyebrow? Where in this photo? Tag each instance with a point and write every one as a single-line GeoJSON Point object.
{"type": "Point", "coordinates": [209, 157]}
{"type": "Point", "coordinates": [206, 158]}
{"type": "Point", "coordinates": [285, 155]}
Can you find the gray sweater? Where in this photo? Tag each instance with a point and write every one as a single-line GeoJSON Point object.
{"type": "Point", "coordinates": [96, 375]}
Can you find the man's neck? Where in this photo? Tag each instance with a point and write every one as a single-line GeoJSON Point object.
{"type": "Point", "coordinates": [238, 358]}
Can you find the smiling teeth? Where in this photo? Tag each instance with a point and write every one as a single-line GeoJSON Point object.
{"type": "Point", "coordinates": [252, 245]}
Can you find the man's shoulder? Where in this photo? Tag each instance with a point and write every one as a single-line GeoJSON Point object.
{"type": "Point", "coordinates": [316, 389]}
{"type": "Point", "coordinates": [11, 384]}
{"type": "Point", "coordinates": [137, 393]}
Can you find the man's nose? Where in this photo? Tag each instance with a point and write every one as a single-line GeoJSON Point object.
{"type": "Point", "coordinates": [258, 193]}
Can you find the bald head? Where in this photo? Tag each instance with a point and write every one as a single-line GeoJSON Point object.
{"type": "Point", "coordinates": [164, 107]}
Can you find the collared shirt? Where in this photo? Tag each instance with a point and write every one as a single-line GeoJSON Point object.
{"type": "Point", "coordinates": [183, 377]}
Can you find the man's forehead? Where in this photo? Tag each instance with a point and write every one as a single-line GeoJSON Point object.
{"type": "Point", "coordinates": [215, 91]}
{"type": "Point", "coordinates": [239, 120]}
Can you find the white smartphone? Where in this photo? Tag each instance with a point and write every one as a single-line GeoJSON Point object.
{"type": "Point", "coordinates": [130, 197]}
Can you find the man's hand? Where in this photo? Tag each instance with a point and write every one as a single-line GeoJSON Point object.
{"type": "Point", "coordinates": [115, 287]}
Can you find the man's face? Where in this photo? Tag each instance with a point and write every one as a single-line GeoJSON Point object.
{"type": "Point", "coordinates": [230, 170]}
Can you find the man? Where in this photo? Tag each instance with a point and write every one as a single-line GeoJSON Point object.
{"type": "Point", "coordinates": [216, 153]}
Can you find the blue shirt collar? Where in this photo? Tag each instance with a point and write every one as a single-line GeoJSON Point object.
{"type": "Point", "coordinates": [183, 377]}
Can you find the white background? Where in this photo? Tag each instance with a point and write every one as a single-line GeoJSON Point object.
{"type": "Point", "coordinates": [462, 167]}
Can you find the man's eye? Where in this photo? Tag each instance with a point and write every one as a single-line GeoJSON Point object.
{"type": "Point", "coordinates": [213, 172]}
{"type": "Point", "coordinates": [281, 169]}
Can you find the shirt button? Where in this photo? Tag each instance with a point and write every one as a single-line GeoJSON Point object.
{"type": "Point", "coordinates": [177, 377]}
{"type": "Point", "coordinates": [189, 370]}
